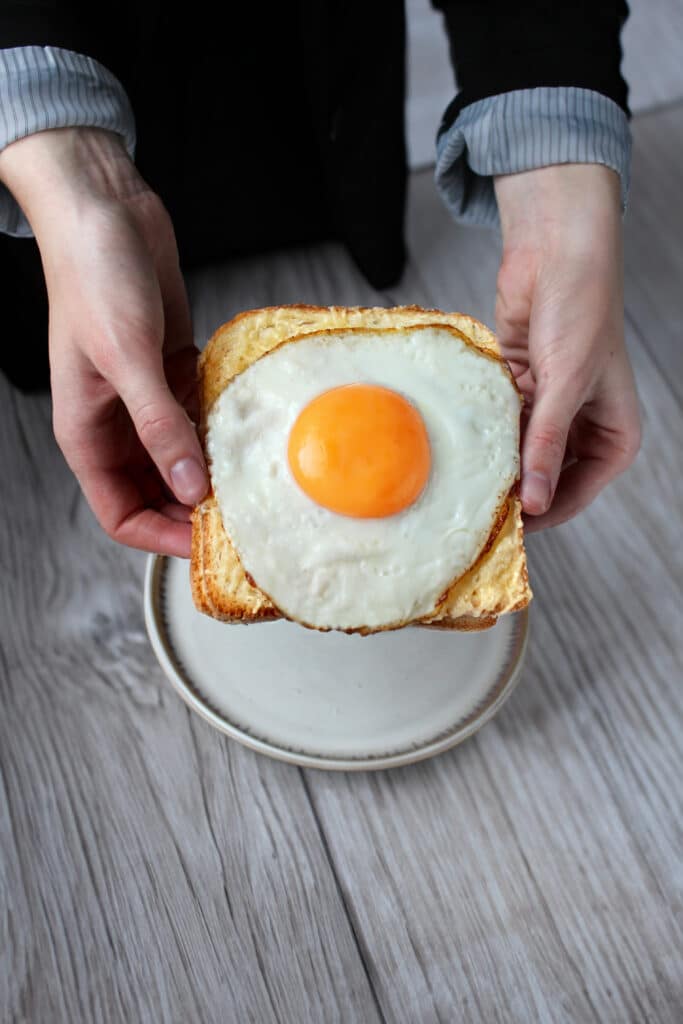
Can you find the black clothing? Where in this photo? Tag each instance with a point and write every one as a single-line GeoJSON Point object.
{"type": "Point", "coordinates": [270, 125]}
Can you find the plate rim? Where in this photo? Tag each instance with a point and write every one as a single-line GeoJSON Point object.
{"type": "Point", "coordinates": [162, 649]}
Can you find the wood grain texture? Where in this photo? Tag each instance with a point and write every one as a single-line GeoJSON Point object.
{"type": "Point", "coordinates": [654, 229]}
{"type": "Point", "coordinates": [430, 80]}
{"type": "Point", "coordinates": [150, 870]}
{"type": "Point", "coordinates": [543, 859]}
{"type": "Point", "coordinates": [536, 873]}
{"type": "Point", "coordinates": [651, 42]}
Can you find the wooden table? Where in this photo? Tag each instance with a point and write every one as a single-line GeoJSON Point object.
{"type": "Point", "coordinates": [152, 870]}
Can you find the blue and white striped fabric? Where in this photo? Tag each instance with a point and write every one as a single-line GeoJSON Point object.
{"type": "Point", "coordinates": [521, 130]}
{"type": "Point", "coordinates": [45, 87]}
{"type": "Point", "coordinates": [48, 87]}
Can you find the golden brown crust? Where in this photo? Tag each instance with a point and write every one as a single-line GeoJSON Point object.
{"type": "Point", "coordinates": [502, 569]}
{"type": "Point", "coordinates": [499, 522]}
{"type": "Point", "coordinates": [463, 624]}
{"type": "Point", "coordinates": [225, 592]}
{"type": "Point", "coordinates": [495, 584]}
{"type": "Point", "coordinates": [250, 335]}
{"type": "Point", "coordinates": [197, 564]}
{"type": "Point", "coordinates": [485, 351]}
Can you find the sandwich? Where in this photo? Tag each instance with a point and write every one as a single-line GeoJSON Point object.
{"type": "Point", "coordinates": [364, 470]}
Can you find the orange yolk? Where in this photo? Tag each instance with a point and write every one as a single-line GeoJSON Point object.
{"type": "Point", "coordinates": [360, 450]}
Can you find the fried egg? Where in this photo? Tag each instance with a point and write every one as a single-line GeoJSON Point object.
{"type": "Point", "coordinates": [359, 473]}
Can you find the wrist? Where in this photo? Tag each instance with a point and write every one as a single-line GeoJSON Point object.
{"type": "Point", "coordinates": [64, 169]}
{"type": "Point", "coordinates": [566, 196]}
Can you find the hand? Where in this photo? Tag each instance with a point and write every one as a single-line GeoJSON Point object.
{"type": "Point", "coordinates": [559, 319]}
{"type": "Point", "coordinates": [121, 351]}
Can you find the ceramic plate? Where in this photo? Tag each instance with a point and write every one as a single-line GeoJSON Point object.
{"type": "Point", "coordinates": [328, 700]}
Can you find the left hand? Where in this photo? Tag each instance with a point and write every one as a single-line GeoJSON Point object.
{"type": "Point", "coordinates": [559, 319]}
{"type": "Point", "coordinates": [122, 357]}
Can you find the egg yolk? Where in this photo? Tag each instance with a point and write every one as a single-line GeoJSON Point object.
{"type": "Point", "coordinates": [360, 450]}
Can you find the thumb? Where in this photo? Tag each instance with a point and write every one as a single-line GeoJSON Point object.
{"type": "Point", "coordinates": [545, 443]}
{"type": "Point", "coordinates": [166, 432]}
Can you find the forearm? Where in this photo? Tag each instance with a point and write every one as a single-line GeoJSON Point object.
{"type": "Point", "coordinates": [530, 204]}
{"type": "Point", "coordinates": [522, 131]}
{"type": "Point", "coordinates": [539, 85]}
{"type": "Point", "coordinates": [54, 175]}
{"type": "Point", "coordinates": [44, 89]}
{"type": "Point", "coordinates": [67, 163]}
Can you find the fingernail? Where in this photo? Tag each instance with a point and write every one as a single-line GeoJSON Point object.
{"type": "Point", "coordinates": [535, 493]}
{"type": "Point", "coordinates": [188, 481]}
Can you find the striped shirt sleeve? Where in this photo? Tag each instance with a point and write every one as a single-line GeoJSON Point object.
{"type": "Point", "coordinates": [44, 87]}
{"type": "Point", "coordinates": [523, 130]}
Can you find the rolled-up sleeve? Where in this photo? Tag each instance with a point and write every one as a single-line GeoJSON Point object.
{"type": "Point", "coordinates": [538, 82]}
{"type": "Point", "coordinates": [522, 130]}
{"type": "Point", "coordinates": [44, 87]}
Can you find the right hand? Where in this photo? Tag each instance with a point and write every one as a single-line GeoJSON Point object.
{"type": "Point", "coordinates": [122, 358]}
{"type": "Point", "coordinates": [560, 322]}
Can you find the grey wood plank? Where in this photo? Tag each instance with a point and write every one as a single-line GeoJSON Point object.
{"type": "Point", "coordinates": [653, 233]}
{"type": "Point", "coordinates": [430, 80]}
{"type": "Point", "coordinates": [150, 870]}
{"type": "Point", "coordinates": [536, 873]}
{"type": "Point", "coordinates": [155, 870]}
{"type": "Point", "coordinates": [319, 275]}
{"type": "Point", "coordinates": [652, 40]}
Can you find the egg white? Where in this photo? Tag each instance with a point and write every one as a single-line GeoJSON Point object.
{"type": "Point", "coordinates": [332, 571]}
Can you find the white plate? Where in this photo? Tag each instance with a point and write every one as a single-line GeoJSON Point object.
{"type": "Point", "coordinates": [327, 700]}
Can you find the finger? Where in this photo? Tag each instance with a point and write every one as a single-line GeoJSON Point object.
{"type": "Point", "coordinates": [578, 486]}
{"type": "Point", "coordinates": [180, 513]}
{"type": "Point", "coordinates": [164, 429]}
{"type": "Point", "coordinates": [121, 494]}
{"type": "Point", "coordinates": [545, 444]}
{"type": "Point", "coordinates": [180, 353]}
{"type": "Point", "coordinates": [123, 513]}
{"type": "Point", "coordinates": [177, 318]}
{"type": "Point", "coordinates": [179, 348]}
{"type": "Point", "coordinates": [608, 452]}
{"type": "Point", "coordinates": [181, 374]}
{"type": "Point", "coordinates": [151, 531]}
{"type": "Point", "coordinates": [154, 494]}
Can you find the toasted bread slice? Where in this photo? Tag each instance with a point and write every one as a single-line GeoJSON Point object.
{"type": "Point", "coordinates": [221, 588]}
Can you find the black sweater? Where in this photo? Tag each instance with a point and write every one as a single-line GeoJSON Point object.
{"type": "Point", "coordinates": [264, 125]}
